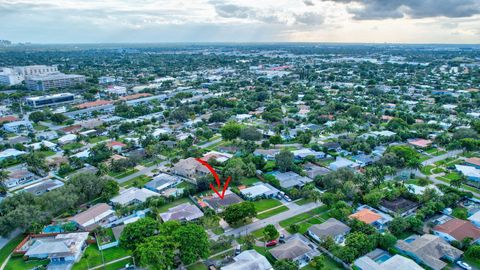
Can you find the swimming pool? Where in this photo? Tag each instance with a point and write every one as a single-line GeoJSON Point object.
{"type": "Point", "coordinates": [382, 258]}
{"type": "Point", "coordinates": [53, 229]}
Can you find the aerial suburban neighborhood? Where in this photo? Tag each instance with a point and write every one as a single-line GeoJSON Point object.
{"type": "Point", "coordinates": [239, 156]}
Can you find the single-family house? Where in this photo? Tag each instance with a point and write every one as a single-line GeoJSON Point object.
{"type": "Point", "coordinates": [162, 182]}
{"type": "Point", "coordinates": [69, 138]}
{"type": "Point", "coordinates": [18, 126]}
{"type": "Point", "coordinates": [429, 250]}
{"type": "Point", "coordinates": [44, 186]}
{"type": "Point", "coordinates": [381, 260]}
{"type": "Point", "coordinates": [39, 145]}
{"type": "Point", "coordinates": [94, 216]}
{"type": "Point", "coordinates": [313, 170]}
{"type": "Point", "coordinates": [11, 153]}
{"type": "Point", "coordinates": [19, 175]}
{"type": "Point", "coordinates": [249, 260]}
{"type": "Point", "coordinates": [291, 179]}
{"type": "Point", "coordinates": [296, 248]}
{"type": "Point", "coordinates": [259, 190]}
{"type": "Point", "coordinates": [217, 156]}
{"type": "Point", "coordinates": [133, 195]}
{"type": "Point", "coordinates": [190, 169]}
{"type": "Point", "coordinates": [475, 219]}
{"type": "Point", "coordinates": [341, 162]}
{"type": "Point", "coordinates": [456, 230]}
{"type": "Point", "coordinates": [46, 135]}
{"type": "Point", "coordinates": [330, 228]}
{"type": "Point", "coordinates": [63, 250]}
{"type": "Point", "coordinates": [217, 204]}
{"type": "Point", "coordinates": [116, 146]}
{"type": "Point", "coordinates": [372, 216]}
{"type": "Point", "coordinates": [305, 152]}
{"type": "Point", "coordinates": [420, 143]}
{"type": "Point", "coordinates": [470, 172]}
{"type": "Point", "coordinates": [182, 212]}
{"type": "Point", "coordinates": [268, 154]}
{"type": "Point", "coordinates": [365, 160]}
{"type": "Point", "coordinates": [399, 206]}
{"type": "Point", "coordinates": [474, 162]}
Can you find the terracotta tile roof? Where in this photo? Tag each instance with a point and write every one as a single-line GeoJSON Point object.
{"type": "Point", "coordinates": [135, 96]}
{"type": "Point", "coordinates": [459, 229]}
{"type": "Point", "coordinates": [115, 143]}
{"type": "Point", "coordinates": [9, 118]}
{"type": "Point", "coordinates": [366, 215]}
{"type": "Point", "coordinates": [93, 104]}
{"type": "Point", "coordinates": [474, 161]}
{"type": "Point", "coordinates": [420, 143]}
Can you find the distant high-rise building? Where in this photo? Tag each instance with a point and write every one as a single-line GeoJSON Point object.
{"type": "Point", "coordinates": [36, 70]}
{"type": "Point", "coordinates": [53, 80]}
{"type": "Point", "coordinates": [5, 43]}
{"type": "Point", "coordinates": [10, 77]}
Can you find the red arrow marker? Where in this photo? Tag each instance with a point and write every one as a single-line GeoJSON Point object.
{"type": "Point", "coordinates": [217, 179]}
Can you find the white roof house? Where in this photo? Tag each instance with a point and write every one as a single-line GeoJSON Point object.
{"type": "Point", "coordinates": [67, 139]}
{"type": "Point", "coordinates": [247, 260]}
{"type": "Point", "coordinates": [10, 152]}
{"type": "Point", "coordinates": [133, 195]}
{"type": "Point", "coordinates": [38, 145]}
{"type": "Point", "coordinates": [259, 189]}
{"type": "Point", "coordinates": [468, 171]}
{"type": "Point", "coordinates": [184, 211]}
{"type": "Point", "coordinates": [396, 262]}
{"type": "Point", "coordinates": [341, 163]}
{"type": "Point", "coordinates": [475, 219]}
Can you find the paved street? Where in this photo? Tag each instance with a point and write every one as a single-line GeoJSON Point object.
{"type": "Point", "coordinates": [442, 157]}
{"type": "Point", "coordinates": [208, 144]}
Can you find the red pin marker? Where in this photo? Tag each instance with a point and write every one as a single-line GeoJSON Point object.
{"type": "Point", "coordinates": [217, 179]}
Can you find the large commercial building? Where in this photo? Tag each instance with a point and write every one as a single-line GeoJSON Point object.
{"type": "Point", "coordinates": [54, 80]}
{"type": "Point", "coordinates": [50, 100]}
{"type": "Point", "coordinates": [36, 70]}
{"type": "Point", "coordinates": [9, 76]}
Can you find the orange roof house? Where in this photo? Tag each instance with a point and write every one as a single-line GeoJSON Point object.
{"type": "Point", "coordinates": [458, 230]}
{"type": "Point", "coordinates": [421, 143]}
{"type": "Point", "coordinates": [9, 118]}
{"type": "Point", "coordinates": [366, 216]}
{"type": "Point", "coordinates": [135, 96]}
{"type": "Point", "coordinates": [475, 161]}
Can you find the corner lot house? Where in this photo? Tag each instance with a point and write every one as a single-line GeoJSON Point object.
{"type": "Point", "coordinates": [428, 249]}
{"type": "Point", "coordinates": [381, 260]}
{"type": "Point", "coordinates": [297, 248]}
{"type": "Point", "coordinates": [133, 195]}
{"type": "Point", "coordinates": [182, 212]}
{"type": "Point", "coordinates": [372, 216]}
{"type": "Point", "coordinates": [248, 260]}
{"type": "Point", "coordinates": [332, 227]}
{"type": "Point", "coordinates": [62, 249]}
{"type": "Point", "coordinates": [93, 217]}
{"type": "Point", "coordinates": [457, 229]}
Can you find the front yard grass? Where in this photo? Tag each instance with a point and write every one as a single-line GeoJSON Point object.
{"type": "Point", "coordinates": [97, 139]}
{"type": "Point", "coordinates": [94, 256]}
{"type": "Point", "coordinates": [272, 212]}
{"type": "Point", "coordinates": [18, 263]}
{"type": "Point", "coordinates": [249, 181]}
{"type": "Point", "coordinates": [123, 174]}
{"type": "Point", "coordinates": [140, 181]}
{"type": "Point", "coordinates": [72, 146]}
{"type": "Point", "coordinates": [165, 207]}
{"type": "Point", "coordinates": [9, 247]}
{"type": "Point", "coordinates": [266, 204]}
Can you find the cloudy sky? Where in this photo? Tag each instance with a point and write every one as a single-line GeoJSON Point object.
{"type": "Point", "coordinates": [88, 21]}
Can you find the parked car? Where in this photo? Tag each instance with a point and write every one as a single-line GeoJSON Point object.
{"type": "Point", "coordinates": [272, 243]}
{"type": "Point", "coordinates": [281, 240]}
{"type": "Point", "coordinates": [464, 265]}
{"type": "Point", "coordinates": [238, 250]}
{"type": "Point", "coordinates": [287, 198]}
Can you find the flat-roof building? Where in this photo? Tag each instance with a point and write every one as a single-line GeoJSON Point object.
{"type": "Point", "coordinates": [53, 80]}
{"type": "Point", "coordinates": [50, 100]}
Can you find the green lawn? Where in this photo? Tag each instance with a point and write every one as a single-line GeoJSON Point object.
{"type": "Point", "coordinates": [139, 180]}
{"type": "Point", "coordinates": [328, 264]}
{"type": "Point", "coordinates": [473, 262]}
{"type": "Point", "coordinates": [460, 213]}
{"type": "Point", "coordinates": [9, 247]}
{"type": "Point", "coordinates": [266, 204]}
{"type": "Point", "coordinates": [218, 230]}
{"type": "Point", "coordinates": [249, 181]}
{"type": "Point", "coordinates": [304, 216]}
{"type": "Point", "coordinates": [17, 263]}
{"type": "Point", "coordinates": [97, 139]}
{"type": "Point", "coordinates": [95, 258]}
{"type": "Point", "coordinates": [453, 176]}
{"type": "Point", "coordinates": [185, 185]}
{"type": "Point", "coordinates": [122, 174]}
{"type": "Point", "coordinates": [72, 146]}
{"type": "Point", "coordinates": [438, 170]}
{"type": "Point", "coordinates": [119, 265]}
{"type": "Point", "coordinates": [427, 169]}
{"type": "Point", "coordinates": [273, 212]}
{"type": "Point", "coordinates": [39, 127]}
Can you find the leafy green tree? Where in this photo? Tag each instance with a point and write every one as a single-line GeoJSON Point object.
{"type": "Point", "coordinates": [346, 254]}
{"type": "Point", "coordinates": [110, 189]}
{"type": "Point", "coordinates": [237, 213]}
{"type": "Point", "coordinates": [270, 232]}
{"type": "Point", "coordinates": [386, 241]}
{"type": "Point", "coordinates": [235, 168]}
{"type": "Point", "coordinates": [157, 252]}
{"type": "Point", "coordinates": [398, 225]}
{"type": "Point", "coordinates": [192, 243]}
{"type": "Point", "coordinates": [360, 242]}
{"type": "Point", "coordinates": [285, 265]}
{"type": "Point", "coordinates": [250, 133]}
{"type": "Point", "coordinates": [317, 263]}
{"type": "Point", "coordinates": [284, 161]}
{"type": "Point", "coordinates": [136, 232]}
{"type": "Point", "coordinates": [37, 116]}
{"type": "Point", "coordinates": [276, 139]}
{"type": "Point", "coordinates": [231, 131]}
{"type": "Point", "coordinates": [473, 252]}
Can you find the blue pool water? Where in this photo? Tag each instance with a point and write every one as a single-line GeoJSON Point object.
{"type": "Point", "coordinates": [53, 229]}
{"type": "Point", "coordinates": [409, 240]}
{"type": "Point", "coordinates": [382, 258]}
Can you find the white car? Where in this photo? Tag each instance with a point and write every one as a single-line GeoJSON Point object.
{"type": "Point", "coordinates": [464, 265]}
